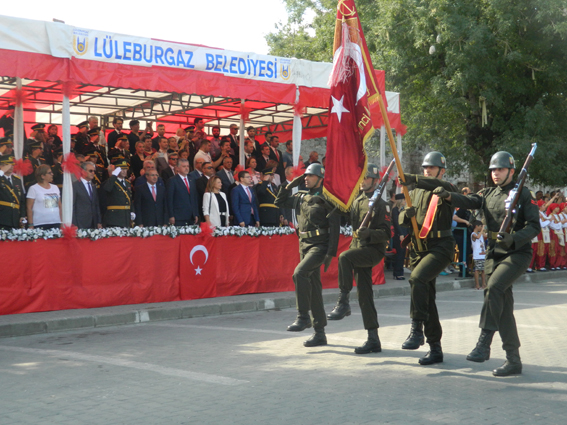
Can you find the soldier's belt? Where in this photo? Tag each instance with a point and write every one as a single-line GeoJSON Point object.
{"type": "Point", "coordinates": [439, 234]}
{"type": "Point", "coordinates": [312, 233]}
{"type": "Point", "coordinates": [118, 207]}
{"type": "Point", "coordinates": [10, 204]}
{"type": "Point", "coordinates": [267, 206]}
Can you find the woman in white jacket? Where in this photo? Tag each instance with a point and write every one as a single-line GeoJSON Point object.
{"type": "Point", "coordinates": [215, 204]}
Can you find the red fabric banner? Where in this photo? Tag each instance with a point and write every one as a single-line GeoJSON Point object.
{"type": "Point", "coordinates": [77, 273]}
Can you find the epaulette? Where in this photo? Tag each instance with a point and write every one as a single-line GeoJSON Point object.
{"type": "Point", "coordinates": [16, 176]}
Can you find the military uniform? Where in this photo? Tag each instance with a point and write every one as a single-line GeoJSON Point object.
{"type": "Point", "coordinates": [503, 265]}
{"type": "Point", "coordinates": [30, 180]}
{"type": "Point", "coordinates": [318, 238]}
{"type": "Point", "coordinates": [266, 193]}
{"type": "Point", "coordinates": [12, 201]}
{"type": "Point", "coordinates": [118, 200]}
{"type": "Point", "coordinates": [437, 252]}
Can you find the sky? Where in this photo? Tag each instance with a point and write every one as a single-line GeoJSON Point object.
{"type": "Point", "coordinates": [239, 25]}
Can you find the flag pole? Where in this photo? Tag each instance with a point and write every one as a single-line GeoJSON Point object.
{"type": "Point", "coordinates": [399, 167]}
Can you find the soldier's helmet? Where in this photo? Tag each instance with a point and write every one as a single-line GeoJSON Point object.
{"type": "Point", "coordinates": [372, 172]}
{"type": "Point", "coordinates": [502, 159]}
{"type": "Point", "coordinates": [434, 159]}
{"type": "Point", "coordinates": [316, 170]}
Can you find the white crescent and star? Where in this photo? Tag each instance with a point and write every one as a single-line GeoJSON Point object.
{"type": "Point", "coordinates": [338, 107]}
{"type": "Point", "coordinates": [195, 249]}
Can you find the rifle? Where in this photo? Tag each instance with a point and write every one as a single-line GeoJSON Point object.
{"type": "Point", "coordinates": [376, 195]}
{"type": "Point", "coordinates": [514, 194]}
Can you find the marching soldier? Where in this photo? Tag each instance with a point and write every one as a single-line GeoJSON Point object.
{"type": "Point", "coordinates": [266, 192]}
{"type": "Point", "coordinates": [12, 202]}
{"type": "Point", "coordinates": [318, 240]}
{"type": "Point", "coordinates": [366, 250]}
{"type": "Point", "coordinates": [507, 258]}
{"type": "Point", "coordinates": [434, 217]}
{"type": "Point", "coordinates": [118, 195]}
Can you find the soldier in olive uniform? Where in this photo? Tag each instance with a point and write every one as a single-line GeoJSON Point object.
{"type": "Point", "coordinates": [366, 250]}
{"type": "Point", "coordinates": [434, 217]}
{"type": "Point", "coordinates": [36, 160]}
{"type": "Point", "coordinates": [57, 168]}
{"type": "Point", "coordinates": [12, 202]}
{"type": "Point", "coordinates": [318, 240]}
{"type": "Point", "coordinates": [266, 192]}
{"type": "Point", "coordinates": [507, 258]}
{"type": "Point", "coordinates": [118, 195]}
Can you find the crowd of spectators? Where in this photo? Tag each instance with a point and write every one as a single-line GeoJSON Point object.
{"type": "Point", "coordinates": [145, 178]}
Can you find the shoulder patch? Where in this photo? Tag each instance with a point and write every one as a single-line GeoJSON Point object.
{"type": "Point", "coordinates": [388, 208]}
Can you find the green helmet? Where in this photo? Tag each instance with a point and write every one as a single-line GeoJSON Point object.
{"type": "Point", "coordinates": [372, 172]}
{"type": "Point", "coordinates": [502, 160]}
{"type": "Point", "coordinates": [434, 159]}
{"type": "Point", "coordinates": [316, 170]}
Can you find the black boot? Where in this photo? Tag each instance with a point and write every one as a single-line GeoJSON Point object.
{"type": "Point", "coordinates": [512, 365]}
{"type": "Point", "coordinates": [318, 338]}
{"type": "Point", "coordinates": [415, 338]}
{"type": "Point", "coordinates": [302, 322]}
{"type": "Point", "coordinates": [342, 308]}
{"type": "Point", "coordinates": [372, 344]}
{"type": "Point", "coordinates": [481, 352]}
{"type": "Point", "coordinates": [435, 354]}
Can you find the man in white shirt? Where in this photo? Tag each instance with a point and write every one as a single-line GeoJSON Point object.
{"type": "Point", "coordinates": [203, 153]}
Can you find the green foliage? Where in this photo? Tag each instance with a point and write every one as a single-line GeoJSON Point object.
{"type": "Point", "coordinates": [510, 53]}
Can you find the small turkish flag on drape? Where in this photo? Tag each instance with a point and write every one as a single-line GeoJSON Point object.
{"type": "Point", "coordinates": [353, 86]}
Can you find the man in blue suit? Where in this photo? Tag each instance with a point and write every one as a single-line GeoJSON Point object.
{"type": "Point", "coordinates": [244, 203]}
{"type": "Point", "coordinates": [182, 200]}
{"type": "Point", "coordinates": [150, 202]}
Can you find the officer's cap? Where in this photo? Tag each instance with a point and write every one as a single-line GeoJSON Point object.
{"type": "Point", "coordinates": [94, 131]}
{"type": "Point", "coordinates": [6, 159]}
{"type": "Point", "coordinates": [82, 124]}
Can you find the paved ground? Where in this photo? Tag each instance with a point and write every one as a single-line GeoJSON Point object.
{"type": "Point", "coordinates": [246, 369]}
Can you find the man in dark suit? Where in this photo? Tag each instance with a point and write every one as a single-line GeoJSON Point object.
{"type": "Point", "coordinates": [150, 202]}
{"type": "Point", "coordinates": [263, 158]}
{"type": "Point", "coordinates": [234, 140]}
{"type": "Point", "coordinates": [182, 199]}
{"type": "Point", "coordinates": [244, 203]}
{"type": "Point", "coordinates": [201, 184]}
{"type": "Point", "coordinates": [226, 174]}
{"type": "Point", "coordinates": [169, 172]}
{"type": "Point", "coordinates": [133, 136]}
{"type": "Point", "coordinates": [86, 209]}
{"type": "Point", "coordinates": [113, 135]}
{"type": "Point", "coordinates": [277, 156]}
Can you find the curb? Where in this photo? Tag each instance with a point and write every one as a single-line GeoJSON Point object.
{"type": "Point", "coordinates": [67, 320]}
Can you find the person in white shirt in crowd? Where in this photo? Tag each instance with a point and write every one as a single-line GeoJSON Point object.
{"type": "Point", "coordinates": [44, 201]}
{"type": "Point", "coordinates": [479, 253]}
{"type": "Point", "coordinates": [540, 244]}
{"type": "Point", "coordinates": [215, 204]}
{"type": "Point", "coordinates": [557, 243]}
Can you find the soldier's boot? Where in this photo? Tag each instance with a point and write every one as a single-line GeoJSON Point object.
{"type": "Point", "coordinates": [481, 352]}
{"type": "Point", "coordinates": [317, 339]}
{"type": "Point", "coordinates": [342, 308]}
{"type": "Point", "coordinates": [512, 365]}
{"type": "Point", "coordinates": [434, 355]}
{"type": "Point", "coordinates": [302, 322]}
{"type": "Point", "coordinates": [372, 344]}
{"type": "Point", "coordinates": [415, 338]}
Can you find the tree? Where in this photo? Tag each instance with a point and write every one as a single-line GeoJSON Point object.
{"type": "Point", "coordinates": [450, 59]}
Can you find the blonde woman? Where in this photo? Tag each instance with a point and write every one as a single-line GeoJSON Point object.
{"type": "Point", "coordinates": [215, 204]}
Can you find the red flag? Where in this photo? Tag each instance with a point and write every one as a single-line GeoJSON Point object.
{"type": "Point", "coordinates": [353, 85]}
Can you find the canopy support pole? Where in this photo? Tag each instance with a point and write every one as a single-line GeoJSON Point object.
{"type": "Point", "coordinates": [67, 196]}
{"type": "Point", "coordinates": [241, 138]}
{"type": "Point", "coordinates": [19, 123]}
{"type": "Point", "coordinates": [296, 132]}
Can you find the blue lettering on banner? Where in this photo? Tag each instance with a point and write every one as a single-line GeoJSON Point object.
{"type": "Point", "coordinates": [241, 66]}
{"type": "Point", "coordinates": [254, 64]}
{"type": "Point", "coordinates": [149, 60]}
{"type": "Point", "coordinates": [269, 70]}
{"type": "Point", "coordinates": [96, 53]}
{"type": "Point", "coordinates": [127, 50]}
{"type": "Point", "coordinates": [180, 59]}
{"type": "Point", "coordinates": [169, 56]}
{"type": "Point", "coordinates": [210, 61]}
{"type": "Point", "coordinates": [159, 54]}
{"type": "Point", "coordinates": [189, 59]}
{"type": "Point", "coordinates": [224, 69]}
{"type": "Point", "coordinates": [137, 55]}
{"type": "Point", "coordinates": [218, 62]}
{"type": "Point", "coordinates": [109, 54]}
{"type": "Point", "coordinates": [232, 66]}
{"type": "Point", "coordinates": [116, 55]}
{"type": "Point", "coordinates": [262, 67]}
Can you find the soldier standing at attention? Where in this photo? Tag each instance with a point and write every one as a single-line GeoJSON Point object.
{"type": "Point", "coordinates": [318, 240]}
{"type": "Point", "coordinates": [366, 250]}
{"type": "Point", "coordinates": [118, 195]}
{"type": "Point", "coordinates": [507, 258]}
{"type": "Point", "coordinates": [434, 217]}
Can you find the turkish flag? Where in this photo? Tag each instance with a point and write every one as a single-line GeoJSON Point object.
{"type": "Point", "coordinates": [353, 84]}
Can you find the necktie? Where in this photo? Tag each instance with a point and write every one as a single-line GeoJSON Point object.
{"type": "Point", "coordinates": [186, 184]}
{"type": "Point", "coordinates": [9, 179]}
{"type": "Point", "coordinates": [250, 198]}
{"type": "Point", "coordinates": [230, 176]}
{"type": "Point", "coordinates": [90, 191]}
{"type": "Point", "coordinates": [154, 192]}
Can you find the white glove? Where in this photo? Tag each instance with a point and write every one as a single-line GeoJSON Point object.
{"type": "Point", "coordinates": [132, 216]}
{"type": "Point", "coordinates": [116, 171]}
